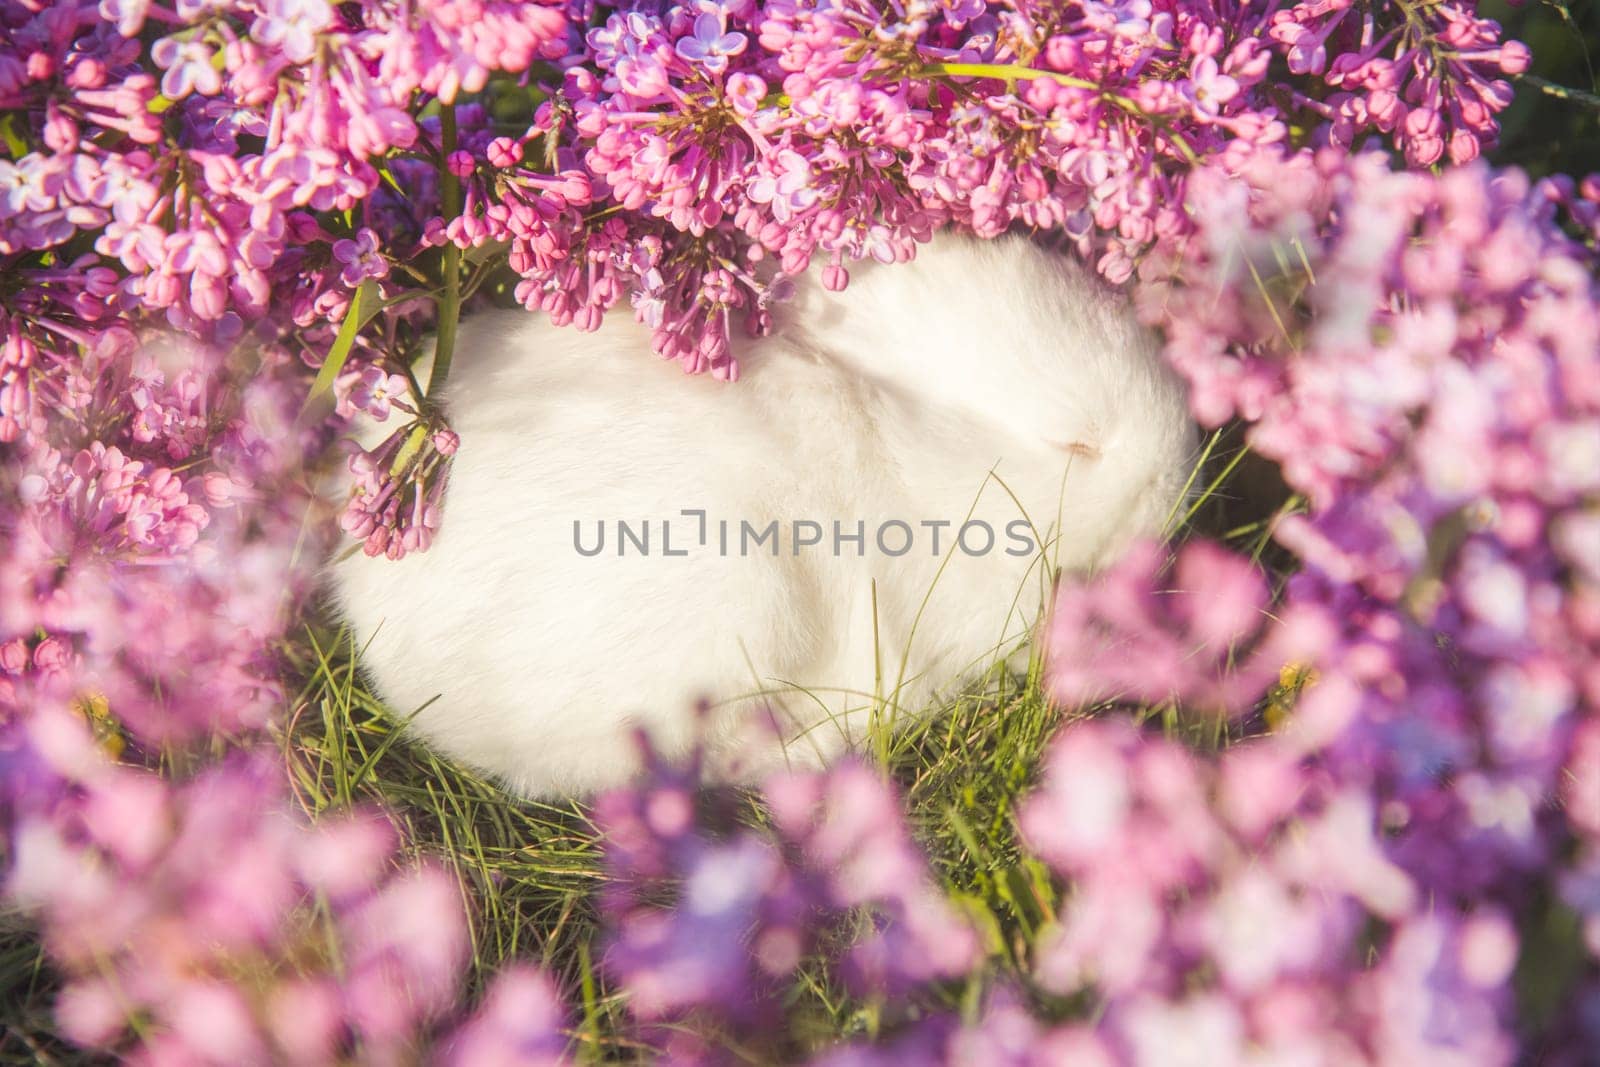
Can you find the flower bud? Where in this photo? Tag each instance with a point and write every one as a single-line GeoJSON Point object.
{"type": "Point", "coordinates": [504, 152]}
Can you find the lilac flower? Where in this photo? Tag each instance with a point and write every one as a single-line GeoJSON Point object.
{"type": "Point", "coordinates": [786, 183]}
{"type": "Point", "coordinates": [504, 152]}
{"type": "Point", "coordinates": [960, 12]}
{"type": "Point", "coordinates": [361, 258]}
{"type": "Point", "coordinates": [711, 45]}
{"type": "Point", "coordinates": [188, 66]}
{"type": "Point", "coordinates": [291, 26]}
{"type": "Point", "coordinates": [519, 1025]}
{"type": "Point", "coordinates": [1207, 88]}
{"type": "Point", "coordinates": [31, 184]}
{"type": "Point", "coordinates": [745, 92]}
{"type": "Point", "coordinates": [129, 15]}
{"type": "Point", "coordinates": [1129, 18]}
{"type": "Point", "coordinates": [375, 390]}
{"type": "Point", "coordinates": [120, 186]}
{"type": "Point", "coordinates": [445, 442]}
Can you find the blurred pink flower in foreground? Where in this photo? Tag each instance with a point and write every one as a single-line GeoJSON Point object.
{"type": "Point", "coordinates": [188, 916]}
{"type": "Point", "coordinates": [1207, 642]}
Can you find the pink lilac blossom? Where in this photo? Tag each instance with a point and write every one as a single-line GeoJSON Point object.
{"type": "Point", "coordinates": [156, 897]}
{"type": "Point", "coordinates": [520, 1024]}
{"type": "Point", "coordinates": [1452, 685]}
{"type": "Point", "coordinates": [750, 908]}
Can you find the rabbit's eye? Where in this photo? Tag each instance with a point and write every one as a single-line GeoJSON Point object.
{"type": "Point", "coordinates": [1077, 448]}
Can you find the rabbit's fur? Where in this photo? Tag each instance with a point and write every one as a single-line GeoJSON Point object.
{"type": "Point", "coordinates": [984, 381]}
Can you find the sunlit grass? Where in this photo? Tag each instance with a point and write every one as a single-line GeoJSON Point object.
{"type": "Point", "coordinates": [25, 987]}
{"type": "Point", "coordinates": [528, 870]}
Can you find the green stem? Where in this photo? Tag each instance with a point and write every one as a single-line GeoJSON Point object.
{"type": "Point", "coordinates": [1561, 92]}
{"type": "Point", "coordinates": [1015, 72]}
{"type": "Point", "coordinates": [450, 302]}
{"type": "Point", "coordinates": [1007, 72]}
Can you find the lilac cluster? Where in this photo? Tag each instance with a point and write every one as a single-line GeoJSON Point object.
{"type": "Point", "coordinates": [748, 909]}
{"type": "Point", "coordinates": [1417, 354]}
{"type": "Point", "coordinates": [174, 263]}
{"type": "Point", "coordinates": [204, 162]}
{"type": "Point", "coordinates": [1426, 81]}
{"type": "Point", "coordinates": [1227, 907]}
{"type": "Point", "coordinates": [208, 161]}
{"type": "Point", "coordinates": [201, 923]}
{"type": "Point", "coordinates": [745, 139]}
{"type": "Point", "coordinates": [148, 541]}
{"type": "Point", "coordinates": [1135, 638]}
{"type": "Point", "coordinates": [399, 492]}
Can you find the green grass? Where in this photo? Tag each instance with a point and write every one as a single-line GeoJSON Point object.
{"type": "Point", "coordinates": [528, 870]}
{"type": "Point", "coordinates": [25, 988]}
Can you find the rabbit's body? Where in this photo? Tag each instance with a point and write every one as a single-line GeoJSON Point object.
{"type": "Point", "coordinates": [985, 383]}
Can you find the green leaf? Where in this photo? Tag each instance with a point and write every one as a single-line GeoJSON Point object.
{"type": "Point", "coordinates": [354, 319]}
{"type": "Point", "coordinates": [387, 175]}
{"type": "Point", "coordinates": [983, 919]}
{"type": "Point", "coordinates": [8, 132]}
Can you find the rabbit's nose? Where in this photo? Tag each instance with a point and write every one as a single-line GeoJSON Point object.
{"type": "Point", "coordinates": [1077, 448]}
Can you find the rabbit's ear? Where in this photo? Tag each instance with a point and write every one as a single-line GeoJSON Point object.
{"type": "Point", "coordinates": [1025, 338]}
{"type": "Point", "coordinates": [918, 323]}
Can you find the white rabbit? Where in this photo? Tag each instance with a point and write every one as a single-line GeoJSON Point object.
{"type": "Point", "coordinates": [985, 382]}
